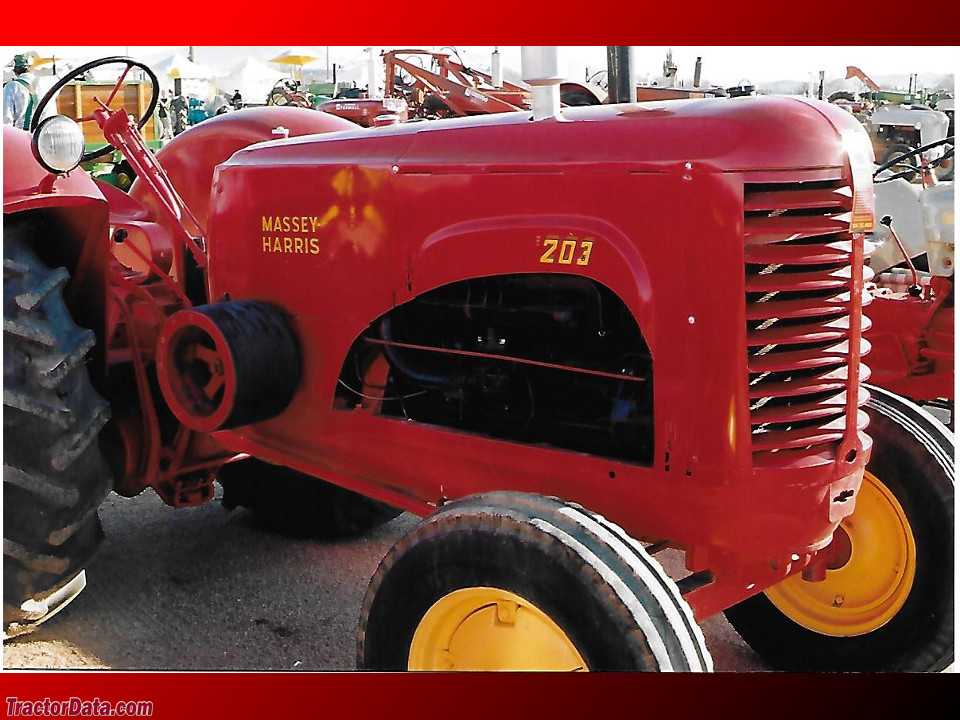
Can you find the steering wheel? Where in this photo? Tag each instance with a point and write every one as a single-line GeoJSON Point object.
{"type": "Point", "coordinates": [901, 160]}
{"type": "Point", "coordinates": [278, 95]}
{"type": "Point", "coordinates": [79, 72]}
{"type": "Point", "coordinates": [407, 79]}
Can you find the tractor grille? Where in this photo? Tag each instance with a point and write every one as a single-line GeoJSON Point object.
{"type": "Point", "coordinates": [803, 287]}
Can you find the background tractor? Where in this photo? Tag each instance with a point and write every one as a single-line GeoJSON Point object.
{"type": "Point", "coordinates": [424, 85]}
{"type": "Point", "coordinates": [463, 321]}
{"type": "Point", "coordinates": [899, 130]}
{"type": "Point", "coordinates": [902, 121]}
{"type": "Point", "coordinates": [913, 295]}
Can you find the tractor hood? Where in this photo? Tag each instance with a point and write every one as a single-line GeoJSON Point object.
{"type": "Point", "coordinates": [932, 124]}
{"type": "Point", "coordinates": [738, 135]}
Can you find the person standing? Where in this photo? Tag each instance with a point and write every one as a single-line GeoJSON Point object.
{"type": "Point", "coordinates": [163, 117]}
{"type": "Point", "coordinates": [19, 99]}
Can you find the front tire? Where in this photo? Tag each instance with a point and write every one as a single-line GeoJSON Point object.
{"type": "Point", "coordinates": [900, 149]}
{"type": "Point", "coordinates": [887, 605]}
{"type": "Point", "coordinates": [507, 581]}
{"type": "Point", "coordinates": [54, 477]}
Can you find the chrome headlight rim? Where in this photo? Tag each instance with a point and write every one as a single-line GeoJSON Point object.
{"type": "Point", "coordinates": [49, 163]}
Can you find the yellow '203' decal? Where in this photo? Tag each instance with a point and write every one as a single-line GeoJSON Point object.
{"type": "Point", "coordinates": [566, 251]}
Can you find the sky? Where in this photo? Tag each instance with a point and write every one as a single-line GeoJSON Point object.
{"type": "Point", "coordinates": [722, 65]}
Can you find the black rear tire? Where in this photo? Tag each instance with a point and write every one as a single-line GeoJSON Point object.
{"type": "Point", "coordinates": [913, 458]}
{"type": "Point", "coordinates": [568, 578]}
{"type": "Point", "coordinates": [54, 476]}
{"type": "Point", "coordinates": [292, 503]}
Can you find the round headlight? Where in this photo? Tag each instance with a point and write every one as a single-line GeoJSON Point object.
{"type": "Point", "coordinates": [58, 144]}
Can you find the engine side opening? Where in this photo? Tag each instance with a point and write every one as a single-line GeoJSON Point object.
{"type": "Point", "coordinates": [539, 359]}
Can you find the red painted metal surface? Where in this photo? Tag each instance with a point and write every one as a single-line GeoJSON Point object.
{"type": "Point", "coordinates": [22, 176]}
{"type": "Point", "coordinates": [190, 159]}
{"type": "Point", "coordinates": [340, 230]}
{"type": "Point", "coordinates": [365, 112]}
{"type": "Point", "coordinates": [913, 342]}
{"type": "Point", "coordinates": [697, 215]}
{"type": "Point", "coordinates": [168, 201]}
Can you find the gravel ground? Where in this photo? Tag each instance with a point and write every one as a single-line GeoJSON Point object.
{"type": "Point", "coordinates": [205, 589]}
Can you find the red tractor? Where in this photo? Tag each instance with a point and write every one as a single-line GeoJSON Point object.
{"type": "Point", "coordinates": [452, 89]}
{"type": "Point", "coordinates": [568, 342]}
{"type": "Point", "coordinates": [447, 89]}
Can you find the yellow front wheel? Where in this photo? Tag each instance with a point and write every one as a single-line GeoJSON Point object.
{"type": "Point", "coordinates": [511, 581]}
{"type": "Point", "coordinates": [887, 603]}
{"type": "Point", "coordinates": [873, 562]}
{"type": "Point", "coordinates": [485, 628]}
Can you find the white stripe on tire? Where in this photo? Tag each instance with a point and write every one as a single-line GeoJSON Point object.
{"type": "Point", "coordinates": [626, 595]}
{"type": "Point", "coordinates": [653, 576]}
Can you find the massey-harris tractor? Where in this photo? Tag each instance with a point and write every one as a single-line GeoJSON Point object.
{"type": "Point", "coordinates": [568, 342]}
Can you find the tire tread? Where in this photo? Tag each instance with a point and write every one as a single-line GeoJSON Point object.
{"type": "Point", "coordinates": [54, 475]}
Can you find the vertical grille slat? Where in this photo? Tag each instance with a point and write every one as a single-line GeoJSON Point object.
{"type": "Point", "coordinates": [799, 278]}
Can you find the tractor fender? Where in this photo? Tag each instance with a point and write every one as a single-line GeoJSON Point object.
{"type": "Point", "coordinates": [74, 217]}
{"type": "Point", "coordinates": [22, 176]}
{"type": "Point", "coordinates": [191, 158]}
{"type": "Point", "coordinates": [503, 245]}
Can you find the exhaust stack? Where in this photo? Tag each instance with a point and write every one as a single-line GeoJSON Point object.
{"type": "Point", "coordinates": [496, 70]}
{"type": "Point", "coordinates": [373, 61]}
{"type": "Point", "coordinates": [540, 64]}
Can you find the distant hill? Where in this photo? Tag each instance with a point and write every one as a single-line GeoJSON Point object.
{"type": "Point", "coordinates": [783, 87]}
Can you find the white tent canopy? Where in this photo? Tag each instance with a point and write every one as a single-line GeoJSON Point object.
{"type": "Point", "coordinates": [179, 66]}
{"type": "Point", "coordinates": [196, 79]}
{"type": "Point", "coordinates": [252, 78]}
